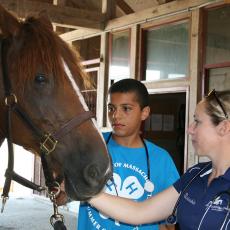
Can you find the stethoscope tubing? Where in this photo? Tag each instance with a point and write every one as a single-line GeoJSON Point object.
{"type": "Point", "coordinates": [146, 153]}
{"type": "Point", "coordinates": [172, 218]}
{"type": "Point", "coordinates": [148, 165]}
{"type": "Point", "coordinates": [149, 187]}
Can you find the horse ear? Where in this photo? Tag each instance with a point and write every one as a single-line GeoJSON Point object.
{"type": "Point", "coordinates": [9, 24]}
{"type": "Point", "coordinates": [43, 16]}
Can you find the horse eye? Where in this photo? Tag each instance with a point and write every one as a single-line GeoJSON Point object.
{"type": "Point", "coordinates": [40, 78]}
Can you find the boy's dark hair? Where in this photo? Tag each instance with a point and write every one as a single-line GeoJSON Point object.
{"type": "Point", "coordinates": [131, 85]}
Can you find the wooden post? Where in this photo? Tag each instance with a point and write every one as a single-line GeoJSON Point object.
{"type": "Point", "coordinates": [102, 86]}
{"type": "Point", "coordinates": [194, 75]}
{"type": "Point", "coordinates": [135, 34]}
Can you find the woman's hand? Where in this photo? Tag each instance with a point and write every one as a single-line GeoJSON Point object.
{"type": "Point", "coordinates": [154, 209]}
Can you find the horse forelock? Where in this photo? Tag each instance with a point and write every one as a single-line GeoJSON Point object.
{"type": "Point", "coordinates": [37, 47]}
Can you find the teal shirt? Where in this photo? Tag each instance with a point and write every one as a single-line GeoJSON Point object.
{"type": "Point", "coordinates": [129, 177]}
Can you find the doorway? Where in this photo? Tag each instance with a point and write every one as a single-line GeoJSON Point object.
{"type": "Point", "coordinates": [166, 125]}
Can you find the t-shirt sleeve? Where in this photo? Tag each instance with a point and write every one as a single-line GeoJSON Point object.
{"type": "Point", "coordinates": [166, 170]}
{"type": "Point", "coordinates": [171, 171]}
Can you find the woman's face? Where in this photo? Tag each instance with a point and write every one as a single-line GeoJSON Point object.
{"type": "Point", "coordinates": [203, 132]}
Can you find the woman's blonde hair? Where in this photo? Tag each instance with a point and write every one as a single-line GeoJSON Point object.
{"type": "Point", "coordinates": [218, 105]}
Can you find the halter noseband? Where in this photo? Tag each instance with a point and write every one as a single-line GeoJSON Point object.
{"type": "Point", "coordinates": [47, 141]}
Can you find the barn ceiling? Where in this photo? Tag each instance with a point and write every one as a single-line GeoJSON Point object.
{"type": "Point", "coordinates": [68, 15]}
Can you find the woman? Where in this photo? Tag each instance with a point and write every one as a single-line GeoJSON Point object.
{"type": "Point", "coordinates": [204, 202]}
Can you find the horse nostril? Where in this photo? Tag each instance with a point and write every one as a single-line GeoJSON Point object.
{"type": "Point", "coordinates": [91, 174]}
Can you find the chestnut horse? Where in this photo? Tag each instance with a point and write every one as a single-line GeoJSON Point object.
{"type": "Point", "coordinates": [45, 81]}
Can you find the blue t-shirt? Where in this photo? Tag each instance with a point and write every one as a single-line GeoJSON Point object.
{"type": "Point", "coordinates": [129, 177]}
{"type": "Point", "coordinates": [198, 208]}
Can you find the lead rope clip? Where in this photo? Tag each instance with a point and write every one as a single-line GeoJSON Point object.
{"type": "Point", "coordinates": [53, 195]}
{"type": "Point", "coordinates": [56, 216]}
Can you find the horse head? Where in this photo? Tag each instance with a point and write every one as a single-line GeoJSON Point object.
{"type": "Point", "coordinates": [46, 78]}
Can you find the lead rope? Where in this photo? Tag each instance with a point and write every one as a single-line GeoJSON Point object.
{"type": "Point", "coordinates": [53, 189]}
{"type": "Point", "coordinates": [57, 219]}
{"type": "Point", "coordinates": [6, 188]}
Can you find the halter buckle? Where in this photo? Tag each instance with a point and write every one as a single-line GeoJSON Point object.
{"type": "Point", "coordinates": [49, 143]}
{"type": "Point", "coordinates": [11, 99]}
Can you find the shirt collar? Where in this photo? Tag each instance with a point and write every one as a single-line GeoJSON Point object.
{"type": "Point", "coordinates": [225, 176]}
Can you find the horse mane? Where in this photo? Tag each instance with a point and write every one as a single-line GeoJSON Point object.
{"type": "Point", "coordinates": [37, 43]}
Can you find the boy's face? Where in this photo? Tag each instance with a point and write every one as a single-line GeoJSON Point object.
{"type": "Point", "coordinates": [125, 114]}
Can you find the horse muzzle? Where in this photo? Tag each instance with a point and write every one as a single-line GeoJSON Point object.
{"type": "Point", "coordinates": [89, 186]}
{"type": "Point", "coordinates": [88, 182]}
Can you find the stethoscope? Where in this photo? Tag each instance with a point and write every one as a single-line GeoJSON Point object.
{"type": "Point", "coordinates": [148, 187]}
{"type": "Point", "coordinates": [172, 219]}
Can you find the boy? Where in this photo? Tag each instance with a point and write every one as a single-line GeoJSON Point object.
{"type": "Point", "coordinates": [141, 169]}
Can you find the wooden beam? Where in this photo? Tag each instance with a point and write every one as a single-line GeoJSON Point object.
{"type": "Point", "coordinates": [79, 34]}
{"type": "Point", "coordinates": [124, 7]}
{"type": "Point", "coordinates": [59, 2]}
{"type": "Point", "coordinates": [154, 13]}
{"type": "Point", "coordinates": [163, 1]}
{"type": "Point", "coordinates": [157, 12]}
{"type": "Point", "coordinates": [59, 30]}
{"type": "Point", "coordinates": [109, 9]}
{"type": "Point", "coordinates": [60, 15]}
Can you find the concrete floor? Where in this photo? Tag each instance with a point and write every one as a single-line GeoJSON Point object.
{"type": "Point", "coordinates": [32, 213]}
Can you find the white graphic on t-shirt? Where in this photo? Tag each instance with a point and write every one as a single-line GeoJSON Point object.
{"type": "Point", "coordinates": [130, 187]}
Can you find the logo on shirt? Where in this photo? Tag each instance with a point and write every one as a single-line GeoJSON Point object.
{"type": "Point", "coordinates": [130, 187]}
{"type": "Point", "coordinates": [189, 199]}
{"type": "Point", "coordinates": [216, 205]}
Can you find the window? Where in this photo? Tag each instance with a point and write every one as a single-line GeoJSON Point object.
{"type": "Point", "coordinates": [219, 79]}
{"type": "Point", "coordinates": [218, 35]}
{"type": "Point", "coordinates": [217, 49]}
{"type": "Point", "coordinates": [89, 50]}
{"type": "Point", "coordinates": [167, 52]}
{"type": "Point", "coordinates": [120, 55]}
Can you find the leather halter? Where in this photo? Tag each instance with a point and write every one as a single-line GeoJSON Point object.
{"type": "Point", "coordinates": [47, 141]}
